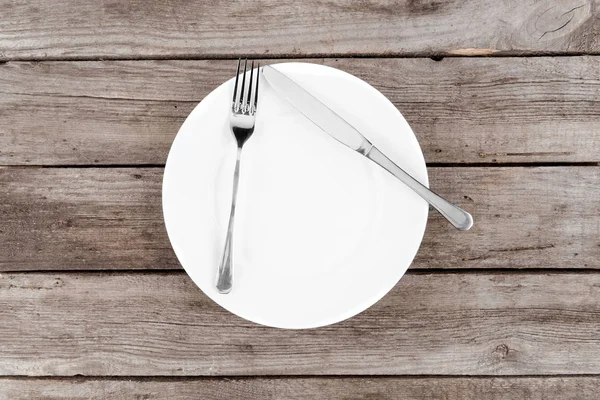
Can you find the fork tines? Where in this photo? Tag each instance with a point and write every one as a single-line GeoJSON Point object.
{"type": "Point", "coordinates": [243, 102]}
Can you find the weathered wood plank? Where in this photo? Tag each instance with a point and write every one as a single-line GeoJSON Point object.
{"type": "Point", "coordinates": [88, 217]}
{"type": "Point", "coordinates": [161, 324]}
{"type": "Point", "coordinates": [564, 388]}
{"type": "Point", "coordinates": [38, 29]}
{"type": "Point", "coordinates": [462, 110]}
{"type": "Point", "coordinates": [95, 218]}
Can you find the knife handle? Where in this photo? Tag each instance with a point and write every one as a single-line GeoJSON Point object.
{"type": "Point", "coordinates": [455, 215]}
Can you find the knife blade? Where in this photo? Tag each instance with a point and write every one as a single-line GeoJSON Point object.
{"type": "Point", "coordinates": [315, 111]}
{"type": "Point", "coordinates": [341, 130]}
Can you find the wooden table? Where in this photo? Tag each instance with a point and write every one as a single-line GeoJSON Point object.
{"type": "Point", "coordinates": [504, 97]}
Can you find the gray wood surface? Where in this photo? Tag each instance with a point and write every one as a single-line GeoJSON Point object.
{"type": "Point", "coordinates": [40, 29]}
{"type": "Point", "coordinates": [435, 324]}
{"type": "Point", "coordinates": [564, 388]}
{"type": "Point", "coordinates": [463, 110]}
{"type": "Point", "coordinates": [89, 285]}
{"type": "Point", "coordinates": [98, 218]}
{"type": "Point", "coordinates": [95, 218]}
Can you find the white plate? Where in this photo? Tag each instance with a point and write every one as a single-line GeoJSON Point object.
{"type": "Point", "coordinates": [321, 232]}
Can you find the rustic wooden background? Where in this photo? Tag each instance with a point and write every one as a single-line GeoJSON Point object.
{"type": "Point", "coordinates": [504, 97]}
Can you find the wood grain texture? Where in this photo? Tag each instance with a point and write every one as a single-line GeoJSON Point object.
{"type": "Point", "coordinates": [162, 324]}
{"type": "Point", "coordinates": [87, 217]}
{"type": "Point", "coordinates": [95, 218]}
{"type": "Point", "coordinates": [564, 388]}
{"type": "Point", "coordinates": [105, 28]}
{"type": "Point", "coordinates": [462, 110]}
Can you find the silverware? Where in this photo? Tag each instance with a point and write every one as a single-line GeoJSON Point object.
{"type": "Point", "coordinates": [337, 127]}
{"type": "Point", "coordinates": [241, 121]}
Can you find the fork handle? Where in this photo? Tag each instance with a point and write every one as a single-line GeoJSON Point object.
{"type": "Point", "coordinates": [225, 272]}
{"type": "Point", "coordinates": [455, 215]}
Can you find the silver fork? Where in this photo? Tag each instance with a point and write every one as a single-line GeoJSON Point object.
{"type": "Point", "coordinates": [241, 121]}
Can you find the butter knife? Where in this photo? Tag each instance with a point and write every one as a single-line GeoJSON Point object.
{"type": "Point", "coordinates": [338, 128]}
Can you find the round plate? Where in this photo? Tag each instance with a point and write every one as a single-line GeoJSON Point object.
{"type": "Point", "coordinates": [321, 232]}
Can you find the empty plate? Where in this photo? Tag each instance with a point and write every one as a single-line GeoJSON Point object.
{"type": "Point", "coordinates": [321, 233]}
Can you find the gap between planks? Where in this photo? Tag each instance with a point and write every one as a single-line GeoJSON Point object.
{"type": "Point", "coordinates": [429, 165]}
{"type": "Point", "coordinates": [194, 378]}
{"type": "Point", "coordinates": [436, 56]}
{"type": "Point", "coordinates": [421, 271]}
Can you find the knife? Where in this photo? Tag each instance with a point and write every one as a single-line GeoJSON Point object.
{"type": "Point", "coordinates": [341, 130]}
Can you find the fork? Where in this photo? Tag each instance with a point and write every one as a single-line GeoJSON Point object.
{"type": "Point", "coordinates": [241, 121]}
